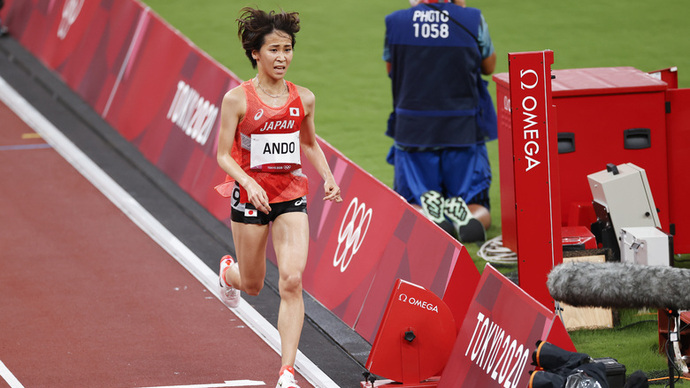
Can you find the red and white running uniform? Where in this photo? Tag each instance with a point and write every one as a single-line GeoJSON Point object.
{"type": "Point", "coordinates": [267, 146]}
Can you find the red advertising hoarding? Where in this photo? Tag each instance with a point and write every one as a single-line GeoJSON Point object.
{"type": "Point", "coordinates": [86, 43]}
{"type": "Point", "coordinates": [167, 103]}
{"type": "Point", "coordinates": [495, 344]}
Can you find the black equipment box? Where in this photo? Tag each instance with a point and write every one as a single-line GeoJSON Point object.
{"type": "Point", "coordinates": [615, 372]}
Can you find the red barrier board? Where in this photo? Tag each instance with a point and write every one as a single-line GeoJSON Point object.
{"type": "Point", "coordinates": [497, 338]}
{"type": "Point", "coordinates": [163, 94]}
{"type": "Point", "coordinates": [172, 116]}
{"type": "Point", "coordinates": [530, 199]}
{"type": "Point", "coordinates": [85, 42]}
{"type": "Point", "coordinates": [461, 286]}
{"type": "Point", "coordinates": [49, 29]}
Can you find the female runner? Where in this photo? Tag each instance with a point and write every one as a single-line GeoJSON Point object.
{"type": "Point", "coordinates": [265, 122]}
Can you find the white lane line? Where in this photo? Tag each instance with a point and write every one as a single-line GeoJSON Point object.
{"type": "Point", "coordinates": [9, 377]}
{"type": "Point", "coordinates": [151, 226]}
{"type": "Point", "coordinates": [234, 383]}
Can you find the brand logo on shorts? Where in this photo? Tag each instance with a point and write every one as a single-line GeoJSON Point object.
{"type": "Point", "coordinates": [251, 212]}
{"type": "Point", "coordinates": [300, 201]}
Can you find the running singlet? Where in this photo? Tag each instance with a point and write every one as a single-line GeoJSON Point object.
{"type": "Point", "coordinates": [267, 147]}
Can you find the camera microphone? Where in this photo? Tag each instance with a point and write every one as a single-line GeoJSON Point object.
{"type": "Point", "coordinates": [620, 285]}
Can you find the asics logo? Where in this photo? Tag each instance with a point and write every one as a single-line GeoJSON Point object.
{"type": "Point", "coordinates": [352, 231]}
{"type": "Point", "coordinates": [300, 201]}
{"type": "Point", "coordinates": [258, 114]}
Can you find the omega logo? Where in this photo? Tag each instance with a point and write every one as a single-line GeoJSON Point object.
{"type": "Point", "coordinates": [418, 303]}
{"type": "Point", "coordinates": [531, 130]}
{"type": "Point", "coordinates": [352, 231]}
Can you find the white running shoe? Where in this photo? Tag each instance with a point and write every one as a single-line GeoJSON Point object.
{"type": "Point", "coordinates": [228, 294]}
{"type": "Point", "coordinates": [287, 378]}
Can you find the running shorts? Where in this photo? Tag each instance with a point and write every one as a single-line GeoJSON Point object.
{"type": "Point", "coordinates": [247, 213]}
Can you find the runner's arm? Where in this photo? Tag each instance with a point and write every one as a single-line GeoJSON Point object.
{"type": "Point", "coordinates": [233, 109]}
{"type": "Point", "coordinates": [312, 150]}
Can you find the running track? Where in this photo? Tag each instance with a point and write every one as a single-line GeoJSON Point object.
{"type": "Point", "coordinates": [96, 292]}
{"type": "Point", "coordinates": [89, 298]}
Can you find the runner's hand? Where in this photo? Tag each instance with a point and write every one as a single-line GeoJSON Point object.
{"type": "Point", "coordinates": [257, 196]}
{"type": "Point", "coordinates": [332, 191]}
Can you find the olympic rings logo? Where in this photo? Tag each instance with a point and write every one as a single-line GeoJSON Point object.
{"type": "Point", "coordinates": [70, 11]}
{"type": "Point", "coordinates": [352, 231]}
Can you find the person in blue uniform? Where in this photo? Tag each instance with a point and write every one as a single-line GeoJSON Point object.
{"type": "Point", "coordinates": [436, 53]}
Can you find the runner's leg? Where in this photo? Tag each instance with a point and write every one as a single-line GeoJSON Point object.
{"type": "Point", "coordinates": [291, 242]}
{"type": "Point", "coordinates": [250, 247]}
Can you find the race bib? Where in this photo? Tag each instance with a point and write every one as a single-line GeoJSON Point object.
{"type": "Point", "coordinates": [275, 152]}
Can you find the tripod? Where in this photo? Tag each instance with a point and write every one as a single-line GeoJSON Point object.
{"type": "Point", "coordinates": [673, 337]}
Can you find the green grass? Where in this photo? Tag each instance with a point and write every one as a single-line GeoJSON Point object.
{"type": "Point", "coordinates": [338, 56]}
{"type": "Point", "coordinates": [634, 343]}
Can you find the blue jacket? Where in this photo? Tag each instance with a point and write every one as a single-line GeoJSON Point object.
{"type": "Point", "coordinates": [439, 97]}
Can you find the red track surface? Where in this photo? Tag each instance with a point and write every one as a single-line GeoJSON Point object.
{"type": "Point", "coordinates": [87, 299]}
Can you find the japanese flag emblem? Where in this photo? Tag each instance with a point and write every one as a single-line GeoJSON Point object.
{"type": "Point", "coordinates": [250, 212]}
